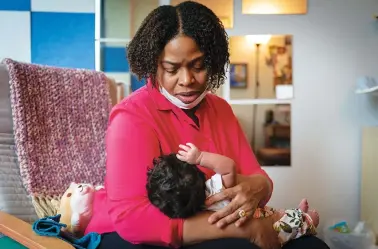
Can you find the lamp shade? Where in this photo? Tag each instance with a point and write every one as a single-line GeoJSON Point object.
{"type": "Point", "coordinates": [274, 7]}
{"type": "Point", "coordinates": [258, 39]}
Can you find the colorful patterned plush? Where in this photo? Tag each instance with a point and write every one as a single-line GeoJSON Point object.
{"type": "Point", "coordinates": [60, 117]}
{"type": "Point", "coordinates": [293, 225]}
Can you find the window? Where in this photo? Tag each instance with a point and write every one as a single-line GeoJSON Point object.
{"type": "Point", "coordinates": [116, 23]}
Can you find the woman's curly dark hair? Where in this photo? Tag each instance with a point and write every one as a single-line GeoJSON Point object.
{"type": "Point", "coordinates": [165, 23]}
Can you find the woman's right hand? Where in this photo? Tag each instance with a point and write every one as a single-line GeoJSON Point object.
{"type": "Point", "coordinates": [245, 196]}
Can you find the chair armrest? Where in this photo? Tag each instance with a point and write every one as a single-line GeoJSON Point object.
{"type": "Point", "coordinates": [113, 91]}
{"type": "Point", "coordinates": [116, 90]}
{"type": "Point", "coordinates": [23, 233]}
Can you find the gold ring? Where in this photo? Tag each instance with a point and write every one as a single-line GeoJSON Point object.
{"type": "Point", "coordinates": [242, 213]}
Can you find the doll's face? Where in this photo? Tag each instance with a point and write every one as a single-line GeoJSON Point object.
{"type": "Point", "coordinates": [83, 189]}
{"type": "Point", "coordinates": [82, 197]}
{"type": "Point", "coordinates": [80, 189]}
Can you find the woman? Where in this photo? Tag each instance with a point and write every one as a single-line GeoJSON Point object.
{"type": "Point", "coordinates": [182, 51]}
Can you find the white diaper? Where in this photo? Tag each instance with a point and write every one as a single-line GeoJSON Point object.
{"type": "Point", "coordinates": [213, 186]}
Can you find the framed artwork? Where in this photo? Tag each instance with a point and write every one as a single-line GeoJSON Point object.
{"type": "Point", "coordinates": [238, 75]}
{"type": "Point", "coordinates": [279, 58]}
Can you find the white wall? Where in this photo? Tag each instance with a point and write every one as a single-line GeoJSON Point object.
{"type": "Point", "coordinates": [15, 45]}
{"type": "Point", "coordinates": [333, 44]}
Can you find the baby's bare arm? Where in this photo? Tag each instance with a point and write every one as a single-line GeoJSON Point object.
{"type": "Point", "coordinates": [222, 165]}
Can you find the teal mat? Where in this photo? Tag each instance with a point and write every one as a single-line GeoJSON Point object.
{"type": "Point", "coordinates": [8, 243]}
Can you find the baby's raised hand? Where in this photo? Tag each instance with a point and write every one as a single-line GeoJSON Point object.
{"type": "Point", "coordinates": [189, 153]}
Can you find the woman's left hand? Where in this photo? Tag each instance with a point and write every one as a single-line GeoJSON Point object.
{"type": "Point", "coordinates": [245, 197]}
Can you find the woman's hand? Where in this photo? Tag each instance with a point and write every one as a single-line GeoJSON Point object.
{"type": "Point", "coordinates": [245, 197]}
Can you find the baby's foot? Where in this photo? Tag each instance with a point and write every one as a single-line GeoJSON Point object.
{"type": "Point", "coordinates": [314, 216]}
{"type": "Point", "coordinates": [304, 207]}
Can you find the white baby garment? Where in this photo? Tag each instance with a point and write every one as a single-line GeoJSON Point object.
{"type": "Point", "coordinates": [213, 186]}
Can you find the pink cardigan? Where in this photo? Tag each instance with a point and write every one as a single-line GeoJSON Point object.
{"type": "Point", "coordinates": [141, 127]}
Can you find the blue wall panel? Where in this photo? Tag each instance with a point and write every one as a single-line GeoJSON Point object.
{"type": "Point", "coordinates": [63, 39]}
{"type": "Point", "coordinates": [135, 84]}
{"type": "Point", "coordinates": [114, 60]}
{"type": "Point", "coordinates": [15, 5]}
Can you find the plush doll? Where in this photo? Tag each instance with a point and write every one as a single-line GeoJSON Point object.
{"type": "Point", "coordinates": [76, 207]}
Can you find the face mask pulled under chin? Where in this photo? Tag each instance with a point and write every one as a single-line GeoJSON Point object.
{"type": "Point", "coordinates": [179, 103]}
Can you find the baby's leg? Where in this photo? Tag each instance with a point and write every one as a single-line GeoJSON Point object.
{"type": "Point", "coordinates": [295, 223]}
{"type": "Point", "coordinates": [286, 228]}
{"type": "Point", "coordinates": [304, 207]}
{"type": "Point", "coordinates": [279, 213]}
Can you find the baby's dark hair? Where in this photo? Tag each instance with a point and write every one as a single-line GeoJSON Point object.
{"type": "Point", "coordinates": [175, 187]}
{"type": "Point", "coordinates": [167, 22]}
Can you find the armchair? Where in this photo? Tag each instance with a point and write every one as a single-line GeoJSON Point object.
{"type": "Point", "coordinates": [16, 208]}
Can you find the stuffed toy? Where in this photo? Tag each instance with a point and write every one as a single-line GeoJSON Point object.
{"type": "Point", "coordinates": [76, 207]}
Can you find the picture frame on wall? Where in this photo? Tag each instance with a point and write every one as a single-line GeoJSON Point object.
{"type": "Point", "coordinates": [238, 75]}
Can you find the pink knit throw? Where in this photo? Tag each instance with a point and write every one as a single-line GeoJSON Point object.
{"type": "Point", "coordinates": [60, 118]}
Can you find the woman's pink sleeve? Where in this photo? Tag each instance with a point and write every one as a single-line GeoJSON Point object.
{"type": "Point", "coordinates": [247, 160]}
{"type": "Point", "coordinates": [131, 147]}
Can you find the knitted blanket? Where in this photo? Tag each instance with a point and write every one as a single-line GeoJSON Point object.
{"type": "Point", "coordinates": [60, 117]}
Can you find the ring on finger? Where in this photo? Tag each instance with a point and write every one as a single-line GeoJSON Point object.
{"type": "Point", "coordinates": [242, 213]}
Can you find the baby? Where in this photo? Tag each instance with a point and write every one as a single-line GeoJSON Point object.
{"type": "Point", "coordinates": [179, 189]}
